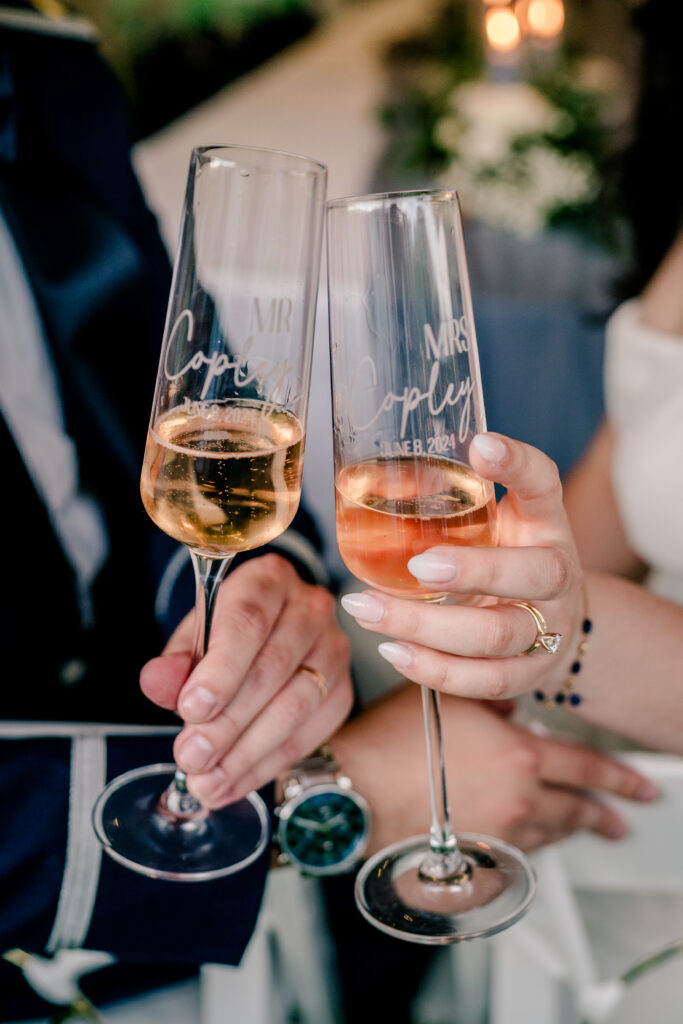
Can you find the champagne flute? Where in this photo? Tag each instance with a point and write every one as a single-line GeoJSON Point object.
{"type": "Point", "coordinates": [224, 455]}
{"type": "Point", "coordinates": [407, 401]}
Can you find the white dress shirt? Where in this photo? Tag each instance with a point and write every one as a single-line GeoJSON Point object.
{"type": "Point", "coordinates": [31, 405]}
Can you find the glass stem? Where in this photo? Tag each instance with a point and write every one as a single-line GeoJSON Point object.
{"type": "Point", "coordinates": [208, 575]}
{"type": "Point", "coordinates": [445, 862]}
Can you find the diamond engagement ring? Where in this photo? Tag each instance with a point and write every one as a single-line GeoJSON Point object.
{"type": "Point", "coordinates": [548, 641]}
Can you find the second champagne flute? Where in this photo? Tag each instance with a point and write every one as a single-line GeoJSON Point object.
{"type": "Point", "coordinates": [224, 456]}
{"type": "Point", "coordinates": [407, 402]}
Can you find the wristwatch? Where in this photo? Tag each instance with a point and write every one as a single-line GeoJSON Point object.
{"type": "Point", "coordinates": [323, 824]}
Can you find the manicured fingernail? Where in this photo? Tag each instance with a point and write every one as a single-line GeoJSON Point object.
{"type": "Point", "coordinates": [647, 791]}
{"type": "Point", "coordinates": [195, 753]}
{"type": "Point", "coordinates": [432, 567]}
{"type": "Point", "coordinates": [493, 450]}
{"type": "Point", "coordinates": [204, 786]}
{"type": "Point", "coordinates": [198, 705]}
{"type": "Point", "coordinates": [363, 606]}
{"type": "Point", "coordinates": [398, 654]}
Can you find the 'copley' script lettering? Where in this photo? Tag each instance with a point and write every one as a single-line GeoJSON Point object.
{"type": "Point", "coordinates": [246, 368]}
{"type": "Point", "coordinates": [412, 398]}
{"type": "Point", "coordinates": [452, 338]}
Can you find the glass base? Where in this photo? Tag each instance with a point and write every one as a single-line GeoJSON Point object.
{"type": "Point", "coordinates": [495, 891]}
{"type": "Point", "coordinates": [137, 831]}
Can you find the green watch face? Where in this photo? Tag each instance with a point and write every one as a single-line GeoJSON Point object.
{"type": "Point", "coordinates": [326, 832]}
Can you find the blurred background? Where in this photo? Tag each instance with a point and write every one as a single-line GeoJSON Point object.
{"type": "Point", "coordinates": [173, 54]}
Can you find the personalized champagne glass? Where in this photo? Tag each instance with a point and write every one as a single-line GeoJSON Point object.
{"type": "Point", "coordinates": [407, 401]}
{"type": "Point", "coordinates": [224, 456]}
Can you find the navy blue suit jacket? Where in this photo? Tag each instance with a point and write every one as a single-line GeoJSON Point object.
{"type": "Point", "coordinates": [100, 277]}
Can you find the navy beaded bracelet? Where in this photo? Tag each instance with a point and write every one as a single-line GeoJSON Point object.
{"type": "Point", "coordinates": [567, 694]}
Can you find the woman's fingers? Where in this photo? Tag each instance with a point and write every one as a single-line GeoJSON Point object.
{"type": "Point", "coordinates": [483, 651]}
{"type": "Point", "coordinates": [531, 478]}
{"type": "Point", "coordinates": [494, 631]}
{"type": "Point", "coordinates": [534, 573]}
{"type": "Point", "coordinates": [471, 651]}
{"type": "Point", "coordinates": [484, 678]}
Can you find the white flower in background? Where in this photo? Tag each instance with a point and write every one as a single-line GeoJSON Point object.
{"type": "Point", "coordinates": [516, 108]}
{"type": "Point", "coordinates": [560, 178]}
{"type": "Point", "coordinates": [496, 201]}
{"type": "Point", "coordinates": [495, 113]}
{"type": "Point", "coordinates": [515, 187]}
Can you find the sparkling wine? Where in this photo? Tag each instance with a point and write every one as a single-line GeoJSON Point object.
{"type": "Point", "coordinates": [225, 478]}
{"type": "Point", "coordinates": [389, 509]}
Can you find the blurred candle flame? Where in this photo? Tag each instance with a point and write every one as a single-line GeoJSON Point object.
{"type": "Point", "coordinates": [545, 18]}
{"type": "Point", "coordinates": [502, 29]}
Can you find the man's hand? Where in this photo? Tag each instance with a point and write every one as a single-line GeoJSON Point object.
{"type": "Point", "coordinates": [503, 780]}
{"type": "Point", "coordinates": [249, 710]}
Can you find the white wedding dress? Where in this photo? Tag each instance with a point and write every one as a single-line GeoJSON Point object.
{"type": "Point", "coordinates": [644, 400]}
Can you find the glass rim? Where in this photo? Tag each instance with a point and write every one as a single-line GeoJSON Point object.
{"type": "Point", "coordinates": [379, 198]}
{"type": "Point", "coordinates": [314, 165]}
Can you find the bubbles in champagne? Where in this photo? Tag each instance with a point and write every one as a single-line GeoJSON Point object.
{"type": "Point", "coordinates": [223, 477]}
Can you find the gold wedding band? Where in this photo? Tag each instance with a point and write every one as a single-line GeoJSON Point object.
{"type": "Point", "coordinates": [550, 642]}
{"type": "Point", "coordinates": [317, 677]}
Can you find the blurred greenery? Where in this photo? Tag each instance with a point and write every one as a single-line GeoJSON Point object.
{"type": "Point", "coordinates": [137, 21]}
{"type": "Point", "coordinates": [423, 70]}
{"type": "Point", "coordinates": [172, 54]}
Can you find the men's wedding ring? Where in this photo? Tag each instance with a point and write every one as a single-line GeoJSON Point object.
{"type": "Point", "coordinates": [317, 677]}
{"type": "Point", "coordinates": [550, 642]}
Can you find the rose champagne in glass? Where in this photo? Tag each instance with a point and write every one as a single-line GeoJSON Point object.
{"type": "Point", "coordinates": [407, 401]}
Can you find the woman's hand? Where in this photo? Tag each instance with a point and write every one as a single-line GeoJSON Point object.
{"type": "Point", "coordinates": [503, 780]}
{"type": "Point", "coordinates": [476, 649]}
{"type": "Point", "coordinates": [249, 709]}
